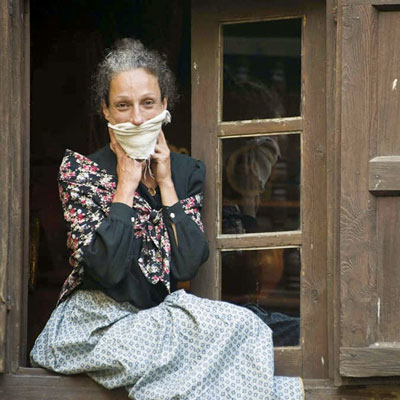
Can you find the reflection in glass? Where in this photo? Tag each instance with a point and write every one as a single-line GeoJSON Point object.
{"type": "Point", "coordinates": [262, 70]}
{"type": "Point", "coordinates": [261, 184]}
{"type": "Point", "coordinates": [267, 282]}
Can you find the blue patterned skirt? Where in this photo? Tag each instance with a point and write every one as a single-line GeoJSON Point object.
{"type": "Point", "coordinates": [185, 348]}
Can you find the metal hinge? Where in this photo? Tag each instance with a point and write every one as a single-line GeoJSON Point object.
{"type": "Point", "coordinates": [8, 303]}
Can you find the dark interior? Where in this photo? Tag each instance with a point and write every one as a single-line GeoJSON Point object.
{"type": "Point", "coordinates": [68, 39]}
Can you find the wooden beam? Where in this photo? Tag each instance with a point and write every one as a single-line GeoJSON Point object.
{"type": "Point", "coordinates": [333, 183]}
{"type": "Point", "coordinates": [384, 175]}
{"type": "Point", "coordinates": [375, 3]}
{"type": "Point", "coordinates": [44, 385]}
{"type": "Point", "coordinates": [370, 361]}
{"type": "Point", "coordinates": [254, 127]}
{"type": "Point", "coordinates": [205, 69]}
{"type": "Point", "coordinates": [14, 179]}
{"type": "Point", "coordinates": [37, 384]}
{"type": "Point", "coordinates": [5, 116]}
{"type": "Point", "coordinates": [259, 240]}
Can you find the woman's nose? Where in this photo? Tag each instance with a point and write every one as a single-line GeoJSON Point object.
{"type": "Point", "coordinates": [136, 116]}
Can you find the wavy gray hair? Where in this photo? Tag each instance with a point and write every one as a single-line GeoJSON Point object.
{"type": "Point", "coordinates": [125, 55]}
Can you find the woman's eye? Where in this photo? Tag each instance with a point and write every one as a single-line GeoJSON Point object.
{"type": "Point", "coordinates": [149, 103]}
{"type": "Point", "coordinates": [122, 105]}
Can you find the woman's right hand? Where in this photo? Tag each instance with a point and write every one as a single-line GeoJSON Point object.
{"type": "Point", "coordinates": [129, 173]}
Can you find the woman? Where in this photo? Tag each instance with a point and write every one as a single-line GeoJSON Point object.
{"type": "Point", "coordinates": [134, 230]}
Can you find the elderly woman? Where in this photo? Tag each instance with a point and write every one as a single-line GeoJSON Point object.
{"type": "Point", "coordinates": [133, 212]}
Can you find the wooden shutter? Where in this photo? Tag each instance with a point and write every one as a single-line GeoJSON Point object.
{"type": "Point", "coordinates": [14, 179]}
{"type": "Point", "coordinates": [369, 39]}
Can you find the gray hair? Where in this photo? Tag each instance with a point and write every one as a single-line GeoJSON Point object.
{"type": "Point", "coordinates": [128, 54]}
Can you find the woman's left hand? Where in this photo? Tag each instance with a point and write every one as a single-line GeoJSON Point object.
{"type": "Point", "coordinates": [161, 167]}
{"type": "Point", "coordinates": [161, 162]}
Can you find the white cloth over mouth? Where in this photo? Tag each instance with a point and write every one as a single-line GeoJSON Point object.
{"type": "Point", "coordinates": [139, 141]}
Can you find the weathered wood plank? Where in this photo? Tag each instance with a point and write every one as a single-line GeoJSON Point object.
{"type": "Point", "coordinates": [254, 127]}
{"type": "Point", "coordinates": [258, 240]}
{"type": "Point", "coordinates": [357, 256]}
{"type": "Point", "coordinates": [57, 387]}
{"type": "Point", "coordinates": [370, 361]}
{"type": "Point", "coordinates": [45, 385]}
{"type": "Point", "coordinates": [205, 67]}
{"type": "Point", "coordinates": [228, 10]}
{"type": "Point", "coordinates": [320, 390]}
{"type": "Point", "coordinates": [313, 196]}
{"type": "Point", "coordinates": [388, 209]}
{"type": "Point", "coordinates": [384, 175]}
{"type": "Point", "coordinates": [333, 183]}
{"type": "Point", "coordinates": [370, 245]}
{"type": "Point", "coordinates": [288, 361]}
{"type": "Point", "coordinates": [388, 255]}
{"type": "Point", "coordinates": [18, 185]}
{"type": "Point", "coordinates": [5, 89]}
{"type": "Point", "coordinates": [376, 3]}
{"type": "Point", "coordinates": [14, 176]}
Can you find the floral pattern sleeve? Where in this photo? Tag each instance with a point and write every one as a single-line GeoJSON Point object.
{"type": "Point", "coordinates": [110, 242]}
{"type": "Point", "coordinates": [86, 193]}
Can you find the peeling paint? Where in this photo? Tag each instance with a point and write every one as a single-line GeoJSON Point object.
{"type": "Point", "coordinates": [394, 84]}
{"type": "Point", "coordinates": [194, 65]}
{"type": "Point", "coordinates": [322, 361]}
{"type": "Point", "coordinates": [378, 183]}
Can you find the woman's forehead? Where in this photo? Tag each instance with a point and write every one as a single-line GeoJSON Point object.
{"type": "Point", "coordinates": [138, 80]}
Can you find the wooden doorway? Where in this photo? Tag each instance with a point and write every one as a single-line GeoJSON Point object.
{"type": "Point", "coordinates": [67, 42]}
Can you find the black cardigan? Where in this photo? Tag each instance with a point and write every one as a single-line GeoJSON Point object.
{"type": "Point", "coordinates": [110, 260]}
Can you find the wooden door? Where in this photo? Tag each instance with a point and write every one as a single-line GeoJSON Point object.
{"type": "Point", "coordinates": [14, 177]}
{"type": "Point", "coordinates": [225, 130]}
{"type": "Point", "coordinates": [370, 187]}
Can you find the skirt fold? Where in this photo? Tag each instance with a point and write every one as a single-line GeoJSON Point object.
{"type": "Point", "coordinates": [185, 348]}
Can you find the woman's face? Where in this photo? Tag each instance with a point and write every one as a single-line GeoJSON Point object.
{"type": "Point", "coordinates": [134, 97]}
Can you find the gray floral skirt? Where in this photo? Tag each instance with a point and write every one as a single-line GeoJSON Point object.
{"type": "Point", "coordinates": [185, 348]}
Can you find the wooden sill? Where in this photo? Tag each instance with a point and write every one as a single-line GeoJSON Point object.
{"type": "Point", "coordinates": [39, 384]}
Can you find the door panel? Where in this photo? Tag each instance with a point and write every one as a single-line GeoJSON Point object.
{"type": "Point", "coordinates": [235, 64]}
{"type": "Point", "coordinates": [14, 178]}
{"type": "Point", "coordinates": [370, 206]}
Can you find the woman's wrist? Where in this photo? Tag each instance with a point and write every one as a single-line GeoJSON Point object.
{"type": "Point", "coordinates": [124, 195]}
{"type": "Point", "coordinates": [168, 193]}
{"type": "Point", "coordinates": [166, 183]}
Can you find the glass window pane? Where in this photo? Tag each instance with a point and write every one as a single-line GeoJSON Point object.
{"type": "Point", "coordinates": [262, 70]}
{"type": "Point", "coordinates": [261, 184]}
{"type": "Point", "coordinates": [267, 282]}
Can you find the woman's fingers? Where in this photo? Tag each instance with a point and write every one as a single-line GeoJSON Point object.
{"type": "Point", "coordinates": [161, 149]}
{"type": "Point", "coordinates": [161, 163]}
{"type": "Point", "coordinates": [115, 146]}
{"type": "Point", "coordinates": [161, 138]}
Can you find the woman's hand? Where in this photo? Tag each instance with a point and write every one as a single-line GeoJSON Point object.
{"type": "Point", "coordinates": [161, 168]}
{"type": "Point", "coordinates": [161, 162]}
{"type": "Point", "coordinates": [129, 173]}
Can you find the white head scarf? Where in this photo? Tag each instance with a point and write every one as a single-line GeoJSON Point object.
{"type": "Point", "coordinates": [139, 141]}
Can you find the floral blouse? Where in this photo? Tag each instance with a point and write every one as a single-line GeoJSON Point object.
{"type": "Point", "coordinates": [130, 253]}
